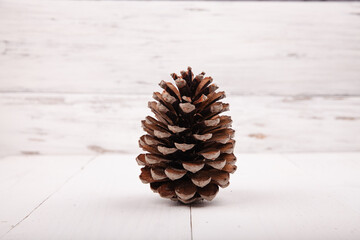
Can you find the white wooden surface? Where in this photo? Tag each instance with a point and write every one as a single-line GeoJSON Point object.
{"type": "Point", "coordinates": [56, 124]}
{"type": "Point", "coordinates": [271, 196]}
{"type": "Point", "coordinates": [292, 196]}
{"type": "Point", "coordinates": [27, 182]}
{"type": "Point", "coordinates": [75, 76]}
{"type": "Point", "coordinates": [114, 46]}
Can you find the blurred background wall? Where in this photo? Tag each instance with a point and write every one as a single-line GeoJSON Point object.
{"type": "Point", "coordinates": [76, 80]}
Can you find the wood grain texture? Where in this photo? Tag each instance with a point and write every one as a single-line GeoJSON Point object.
{"type": "Point", "coordinates": [75, 76]}
{"type": "Point", "coordinates": [106, 201]}
{"type": "Point", "coordinates": [302, 196]}
{"type": "Point", "coordinates": [121, 47]}
{"type": "Point", "coordinates": [88, 124]}
{"type": "Point", "coordinates": [271, 196]}
{"type": "Point", "coordinates": [26, 182]}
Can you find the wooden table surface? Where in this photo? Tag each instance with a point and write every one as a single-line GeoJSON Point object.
{"type": "Point", "coordinates": [271, 196]}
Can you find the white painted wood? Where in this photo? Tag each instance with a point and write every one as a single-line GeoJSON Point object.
{"type": "Point", "coordinates": [271, 196]}
{"type": "Point", "coordinates": [308, 196]}
{"type": "Point", "coordinates": [120, 47]}
{"type": "Point", "coordinates": [27, 181]}
{"type": "Point", "coordinates": [87, 124]}
{"type": "Point", "coordinates": [67, 69]}
{"type": "Point", "coordinates": [341, 174]}
{"type": "Point", "coordinates": [106, 201]}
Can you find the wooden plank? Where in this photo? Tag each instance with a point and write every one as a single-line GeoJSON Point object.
{"type": "Point", "coordinates": [120, 47]}
{"type": "Point", "coordinates": [27, 181]}
{"type": "Point", "coordinates": [88, 124]}
{"type": "Point", "coordinates": [106, 201]}
{"type": "Point", "coordinates": [271, 197]}
{"type": "Point", "coordinates": [70, 124]}
{"type": "Point", "coordinates": [341, 174]}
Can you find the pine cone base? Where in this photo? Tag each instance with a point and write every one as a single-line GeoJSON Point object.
{"type": "Point", "coordinates": [189, 145]}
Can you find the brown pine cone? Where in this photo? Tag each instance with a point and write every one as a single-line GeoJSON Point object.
{"type": "Point", "coordinates": [190, 147]}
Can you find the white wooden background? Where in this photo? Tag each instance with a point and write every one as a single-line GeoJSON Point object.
{"type": "Point", "coordinates": [75, 76]}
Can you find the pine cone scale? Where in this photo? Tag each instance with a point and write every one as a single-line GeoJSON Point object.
{"type": "Point", "coordinates": [190, 146]}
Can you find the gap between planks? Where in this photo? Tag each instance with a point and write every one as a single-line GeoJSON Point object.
{"type": "Point", "coordinates": [191, 225]}
{"type": "Point", "coordinates": [50, 195]}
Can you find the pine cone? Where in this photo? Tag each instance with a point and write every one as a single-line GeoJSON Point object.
{"type": "Point", "coordinates": [190, 146]}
